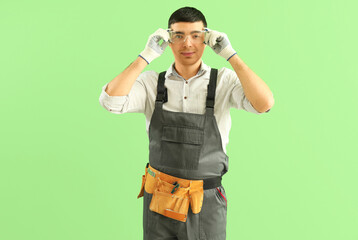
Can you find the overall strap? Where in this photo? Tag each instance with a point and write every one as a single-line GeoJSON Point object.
{"type": "Point", "coordinates": [162, 94]}
{"type": "Point", "coordinates": [210, 99]}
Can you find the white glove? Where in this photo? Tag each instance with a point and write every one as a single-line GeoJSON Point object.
{"type": "Point", "coordinates": [153, 49]}
{"type": "Point", "coordinates": [220, 43]}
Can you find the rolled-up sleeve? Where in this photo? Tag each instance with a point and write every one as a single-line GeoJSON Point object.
{"type": "Point", "coordinates": [238, 99]}
{"type": "Point", "coordinates": [133, 102]}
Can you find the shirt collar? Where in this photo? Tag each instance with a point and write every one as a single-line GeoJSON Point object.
{"type": "Point", "coordinates": [203, 70]}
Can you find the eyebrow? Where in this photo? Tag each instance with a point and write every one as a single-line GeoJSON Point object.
{"type": "Point", "coordinates": [196, 31]}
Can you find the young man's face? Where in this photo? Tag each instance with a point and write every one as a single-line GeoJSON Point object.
{"type": "Point", "coordinates": [187, 46]}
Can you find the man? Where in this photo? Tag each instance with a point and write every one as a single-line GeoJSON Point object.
{"type": "Point", "coordinates": [187, 111]}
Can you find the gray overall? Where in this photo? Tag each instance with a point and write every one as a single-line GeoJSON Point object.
{"type": "Point", "coordinates": [188, 145]}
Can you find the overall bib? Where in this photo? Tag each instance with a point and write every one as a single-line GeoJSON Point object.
{"type": "Point", "coordinates": [188, 146]}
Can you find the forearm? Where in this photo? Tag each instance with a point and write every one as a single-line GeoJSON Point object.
{"type": "Point", "coordinates": [256, 90]}
{"type": "Point", "coordinates": [122, 84]}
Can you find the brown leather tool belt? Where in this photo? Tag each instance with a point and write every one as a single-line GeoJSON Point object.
{"type": "Point", "coordinates": [172, 195]}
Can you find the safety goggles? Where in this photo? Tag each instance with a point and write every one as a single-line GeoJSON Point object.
{"type": "Point", "coordinates": [176, 37]}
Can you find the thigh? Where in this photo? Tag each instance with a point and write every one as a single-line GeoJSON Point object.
{"type": "Point", "coordinates": [213, 214]}
{"type": "Point", "coordinates": [156, 226]}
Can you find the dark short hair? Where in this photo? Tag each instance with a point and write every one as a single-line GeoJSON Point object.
{"type": "Point", "coordinates": [187, 14]}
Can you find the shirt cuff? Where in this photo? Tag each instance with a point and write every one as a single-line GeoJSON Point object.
{"type": "Point", "coordinates": [248, 107]}
{"type": "Point", "coordinates": [112, 102]}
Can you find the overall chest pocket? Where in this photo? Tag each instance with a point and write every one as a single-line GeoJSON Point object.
{"type": "Point", "coordinates": [181, 147]}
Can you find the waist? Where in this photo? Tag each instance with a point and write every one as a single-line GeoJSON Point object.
{"type": "Point", "coordinates": [208, 183]}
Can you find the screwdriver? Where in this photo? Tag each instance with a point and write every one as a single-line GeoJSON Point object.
{"type": "Point", "coordinates": [175, 187]}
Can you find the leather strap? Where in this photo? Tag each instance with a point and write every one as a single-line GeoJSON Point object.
{"type": "Point", "coordinates": [209, 182]}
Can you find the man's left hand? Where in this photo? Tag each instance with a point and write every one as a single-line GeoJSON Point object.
{"type": "Point", "coordinates": [220, 43]}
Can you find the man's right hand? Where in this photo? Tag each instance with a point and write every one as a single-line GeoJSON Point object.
{"type": "Point", "coordinates": [153, 49]}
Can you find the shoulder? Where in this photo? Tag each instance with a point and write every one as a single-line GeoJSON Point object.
{"type": "Point", "coordinates": [148, 79]}
{"type": "Point", "coordinates": [147, 76]}
{"type": "Point", "coordinates": [227, 76]}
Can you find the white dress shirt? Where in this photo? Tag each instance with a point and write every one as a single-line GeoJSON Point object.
{"type": "Point", "coordinates": [183, 96]}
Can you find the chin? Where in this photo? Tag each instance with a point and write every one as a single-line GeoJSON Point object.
{"type": "Point", "coordinates": [189, 60]}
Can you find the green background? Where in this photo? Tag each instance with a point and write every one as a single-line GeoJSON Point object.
{"type": "Point", "coordinates": [70, 169]}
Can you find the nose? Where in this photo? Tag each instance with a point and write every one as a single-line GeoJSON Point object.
{"type": "Point", "coordinates": [187, 43]}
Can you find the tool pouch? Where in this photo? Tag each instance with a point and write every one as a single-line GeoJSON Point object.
{"type": "Point", "coordinates": [141, 193]}
{"type": "Point", "coordinates": [168, 202]}
{"type": "Point", "coordinates": [196, 193]}
{"type": "Point", "coordinates": [148, 182]}
{"type": "Point", "coordinates": [173, 205]}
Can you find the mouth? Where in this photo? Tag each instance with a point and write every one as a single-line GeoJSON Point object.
{"type": "Point", "coordinates": [187, 54]}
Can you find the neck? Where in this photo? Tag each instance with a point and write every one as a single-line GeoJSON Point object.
{"type": "Point", "coordinates": [187, 71]}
